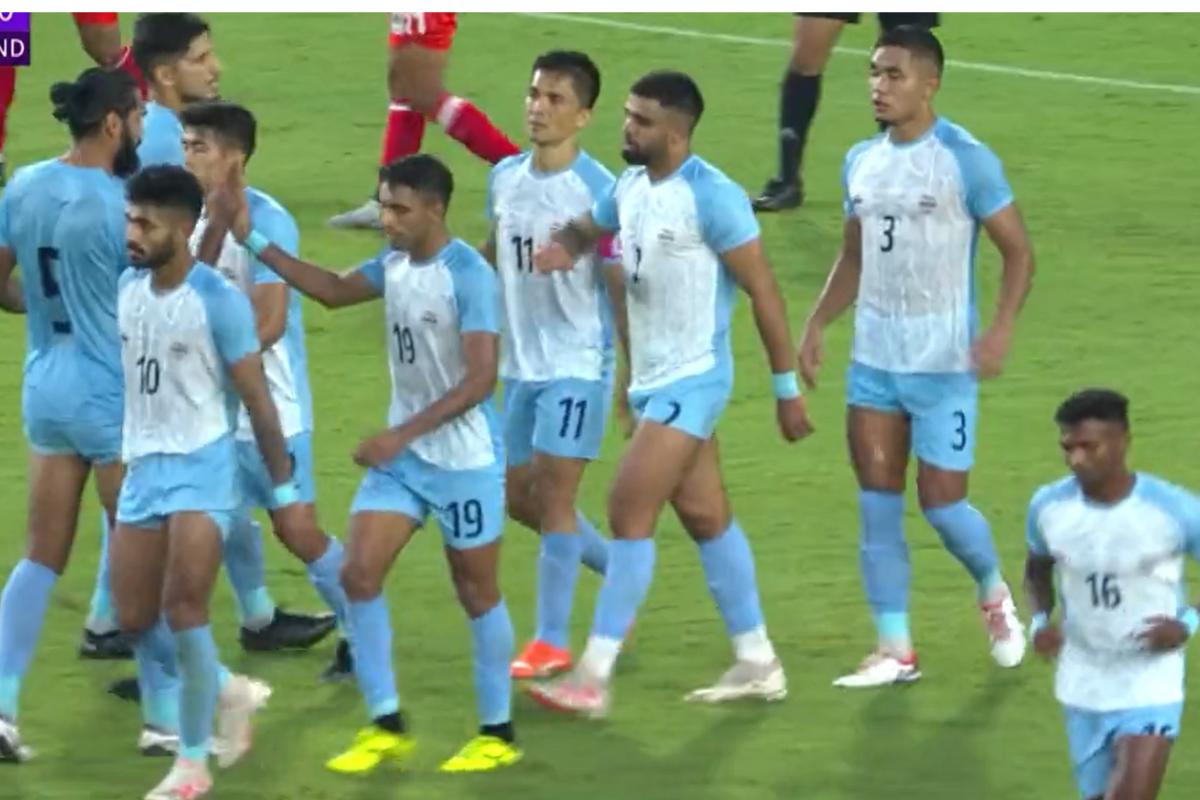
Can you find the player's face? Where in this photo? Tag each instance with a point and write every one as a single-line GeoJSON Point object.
{"type": "Point", "coordinates": [900, 84]}
{"type": "Point", "coordinates": [1094, 449]}
{"type": "Point", "coordinates": [553, 112]}
{"type": "Point", "coordinates": [196, 74]}
{"type": "Point", "coordinates": [646, 130]}
{"type": "Point", "coordinates": [125, 162]}
{"type": "Point", "coordinates": [150, 237]}
{"type": "Point", "coordinates": [206, 158]}
{"type": "Point", "coordinates": [407, 216]}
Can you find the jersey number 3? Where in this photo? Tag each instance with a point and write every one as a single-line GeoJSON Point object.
{"type": "Point", "coordinates": [889, 231]}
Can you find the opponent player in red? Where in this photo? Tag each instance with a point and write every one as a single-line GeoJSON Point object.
{"type": "Point", "coordinates": [420, 51]}
{"type": "Point", "coordinates": [100, 35]}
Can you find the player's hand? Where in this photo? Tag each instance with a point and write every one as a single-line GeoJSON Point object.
{"type": "Point", "coordinates": [552, 257]}
{"type": "Point", "coordinates": [226, 203]}
{"type": "Point", "coordinates": [989, 351]}
{"type": "Point", "coordinates": [1048, 641]}
{"type": "Point", "coordinates": [792, 415]}
{"type": "Point", "coordinates": [1163, 634]}
{"type": "Point", "coordinates": [811, 352]}
{"type": "Point", "coordinates": [381, 448]}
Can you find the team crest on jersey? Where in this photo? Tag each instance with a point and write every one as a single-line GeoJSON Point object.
{"type": "Point", "coordinates": [927, 203]}
{"type": "Point", "coordinates": [179, 349]}
{"type": "Point", "coordinates": [429, 317]}
{"type": "Point", "coordinates": [666, 236]}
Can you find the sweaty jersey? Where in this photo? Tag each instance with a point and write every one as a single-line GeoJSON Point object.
{"type": "Point", "coordinates": [428, 307]}
{"type": "Point", "coordinates": [285, 362]}
{"type": "Point", "coordinates": [556, 325]}
{"type": "Point", "coordinates": [1117, 566]}
{"type": "Point", "coordinates": [920, 205]}
{"type": "Point", "coordinates": [679, 294]}
{"type": "Point", "coordinates": [162, 137]}
{"type": "Point", "coordinates": [66, 228]}
{"type": "Point", "coordinates": [176, 349]}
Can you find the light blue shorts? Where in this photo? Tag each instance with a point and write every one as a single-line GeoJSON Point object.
{"type": "Point", "coordinates": [258, 490]}
{"type": "Point", "coordinates": [157, 486]}
{"type": "Point", "coordinates": [943, 407]}
{"type": "Point", "coordinates": [64, 411]}
{"type": "Point", "coordinates": [564, 417]}
{"type": "Point", "coordinates": [468, 504]}
{"type": "Point", "coordinates": [692, 405]}
{"type": "Point", "coordinates": [1092, 737]}
{"type": "Point", "coordinates": [96, 441]}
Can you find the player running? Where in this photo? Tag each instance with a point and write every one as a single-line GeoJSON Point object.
{"type": "Point", "coordinates": [441, 453]}
{"type": "Point", "coordinates": [557, 354]}
{"type": "Point", "coordinates": [915, 198]}
{"type": "Point", "coordinates": [418, 54]}
{"type": "Point", "coordinates": [688, 240]}
{"type": "Point", "coordinates": [190, 353]}
{"type": "Point", "coordinates": [219, 138]}
{"type": "Point", "coordinates": [1116, 541]}
{"type": "Point", "coordinates": [62, 221]}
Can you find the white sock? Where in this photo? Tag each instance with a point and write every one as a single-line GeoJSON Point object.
{"type": "Point", "coordinates": [754, 646]}
{"type": "Point", "coordinates": [600, 656]}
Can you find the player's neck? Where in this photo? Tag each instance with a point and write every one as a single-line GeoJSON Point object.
{"type": "Point", "coordinates": [167, 99]}
{"type": "Point", "coordinates": [913, 129]}
{"type": "Point", "coordinates": [555, 157]}
{"type": "Point", "coordinates": [170, 275]}
{"type": "Point", "coordinates": [1113, 490]}
{"type": "Point", "coordinates": [669, 165]}
{"type": "Point", "coordinates": [426, 250]}
{"type": "Point", "coordinates": [89, 154]}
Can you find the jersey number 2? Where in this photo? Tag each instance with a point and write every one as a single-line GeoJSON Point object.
{"type": "Point", "coordinates": [47, 263]}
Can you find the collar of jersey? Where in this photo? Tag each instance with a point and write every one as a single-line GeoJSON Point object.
{"type": "Point", "coordinates": [1133, 491]}
{"type": "Point", "coordinates": [543, 175]}
{"type": "Point", "coordinates": [678, 170]}
{"type": "Point", "coordinates": [922, 138]}
{"type": "Point", "coordinates": [437, 257]}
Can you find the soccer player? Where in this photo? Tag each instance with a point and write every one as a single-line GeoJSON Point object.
{"type": "Point", "coordinates": [813, 39]}
{"type": "Point", "coordinates": [418, 54]}
{"type": "Point", "coordinates": [219, 139]}
{"type": "Point", "coordinates": [190, 353]}
{"type": "Point", "coordinates": [915, 199]}
{"type": "Point", "coordinates": [557, 353]}
{"type": "Point", "coordinates": [62, 221]}
{"type": "Point", "coordinates": [688, 239]}
{"type": "Point", "coordinates": [1116, 540]}
{"type": "Point", "coordinates": [100, 36]}
{"type": "Point", "coordinates": [441, 453]}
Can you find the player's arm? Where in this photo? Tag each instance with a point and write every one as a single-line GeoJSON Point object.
{"type": "Point", "coordinates": [1039, 583]}
{"type": "Point", "coordinates": [579, 236]}
{"type": "Point", "coordinates": [488, 248]}
{"type": "Point", "coordinates": [330, 289]}
{"type": "Point", "coordinates": [841, 287]}
{"type": "Point", "coordinates": [481, 354]}
{"type": "Point", "coordinates": [12, 299]}
{"type": "Point", "coordinates": [269, 294]}
{"type": "Point", "coordinates": [748, 265]}
{"type": "Point", "coordinates": [1007, 231]}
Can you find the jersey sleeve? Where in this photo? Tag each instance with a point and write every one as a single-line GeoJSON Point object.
{"type": "Point", "coordinates": [984, 184]}
{"type": "Point", "coordinates": [4, 221]}
{"type": "Point", "coordinates": [726, 218]}
{"type": "Point", "coordinates": [1188, 515]}
{"type": "Point", "coordinates": [282, 232]}
{"type": "Point", "coordinates": [604, 209]}
{"type": "Point", "coordinates": [477, 297]}
{"type": "Point", "coordinates": [1034, 539]}
{"type": "Point", "coordinates": [231, 322]}
{"type": "Point", "coordinates": [372, 270]}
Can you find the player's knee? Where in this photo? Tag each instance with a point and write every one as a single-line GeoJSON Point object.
{"type": "Point", "coordinates": [186, 609]}
{"type": "Point", "coordinates": [135, 620]}
{"type": "Point", "coordinates": [360, 582]}
{"type": "Point", "coordinates": [476, 594]}
{"type": "Point", "coordinates": [703, 521]}
{"type": "Point", "coordinates": [521, 505]}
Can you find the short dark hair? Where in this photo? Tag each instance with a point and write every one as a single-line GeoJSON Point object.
{"type": "Point", "coordinates": [672, 89]}
{"type": "Point", "coordinates": [421, 173]}
{"type": "Point", "coordinates": [1105, 405]}
{"type": "Point", "coordinates": [579, 67]}
{"type": "Point", "coordinates": [233, 124]}
{"type": "Point", "coordinates": [84, 103]}
{"type": "Point", "coordinates": [917, 40]}
{"type": "Point", "coordinates": [166, 186]}
{"type": "Point", "coordinates": [164, 38]}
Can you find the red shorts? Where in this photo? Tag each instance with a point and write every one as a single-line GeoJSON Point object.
{"type": "Point", "coordinates": [95, 17]}
{"type": "Point", "coordinates": [433, 30]}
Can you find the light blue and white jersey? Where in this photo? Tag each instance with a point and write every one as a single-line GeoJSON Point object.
{"type": "Point", "coordinates": [920, 205]}
{"type": "Point", "coordinates": [679, 294]}
{"type": "Point", "coordinates": [1117, 566]}
{"type": "Point", "coordinates": [162, 137]}
{"type": "Point", "coordinates": [176, 349]}
{"type": "Point", "coordinates": [65, 226]}
{"type": "Point", "coordinates": [556, 325]}
{"type": "Point", "coordinates": [429, 305]}
{"type": "Point", "coordinates": [286, 361]}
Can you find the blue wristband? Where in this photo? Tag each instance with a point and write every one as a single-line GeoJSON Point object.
{"type": "Point", "coordinates": [1039, 621]}
{"type": "Point", "coordinates": [285, 494]}
{"type": "Point", "coordinates": [1190, 618]}
{"type": "Point", "coordinates": [785, 385]}
{"type": "Point", "coordinates": [256, 243]}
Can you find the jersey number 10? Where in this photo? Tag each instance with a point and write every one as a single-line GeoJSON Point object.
{"type": "Point", "coordinates": [149, 374]}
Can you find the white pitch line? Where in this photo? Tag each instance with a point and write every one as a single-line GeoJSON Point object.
{"type": "Point", "coordinates": [1000, 69]}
